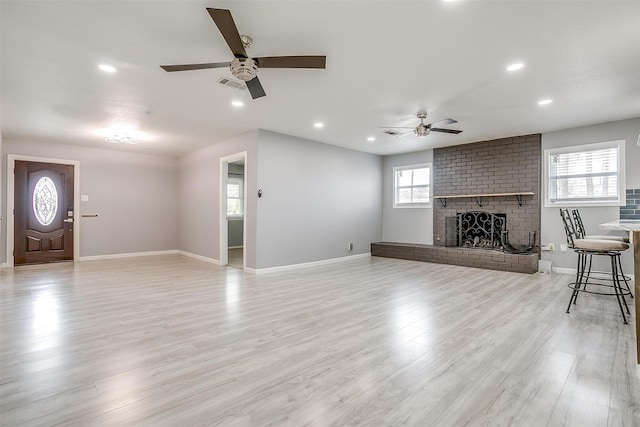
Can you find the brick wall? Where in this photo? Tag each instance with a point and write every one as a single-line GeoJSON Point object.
{"type": "Point", "coordinates": [504, 165]}
{"type": "Point", "coordinates": [632, 209]}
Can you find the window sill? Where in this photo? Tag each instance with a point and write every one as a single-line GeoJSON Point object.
{"type": "Point", "coordinates": [584, 205]}
{"type": "Point", "coordinates": [412, 206]}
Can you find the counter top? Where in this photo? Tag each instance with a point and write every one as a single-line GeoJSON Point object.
{"type": "Point", "coordinates": [622, 224]}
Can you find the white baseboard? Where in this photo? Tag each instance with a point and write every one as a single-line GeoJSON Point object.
{"type": "Point", "coordinates": [200, 257]}
{"type": "Point", "coordinates": [564, 270]}
{"type": "Point", "coordinates": [572, 271]}
{"type": "Point", "coordinates": [305, 264]}
{"type": "Point", "coordinates": [126, 255]}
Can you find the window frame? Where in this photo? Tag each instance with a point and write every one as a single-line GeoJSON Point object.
{"type": "Point", "coordinates": [426, 205]}
{"type": "Point", "coordinates": [548, 153]}
{"type": "Point", "coordinates": [240, 179]}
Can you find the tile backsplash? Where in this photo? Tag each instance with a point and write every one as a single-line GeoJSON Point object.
{"type": "Point", "coordinates": [632, 210]}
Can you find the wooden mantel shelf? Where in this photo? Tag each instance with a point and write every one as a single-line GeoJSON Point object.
{"type": "Point", "coordinates": [478, 197]}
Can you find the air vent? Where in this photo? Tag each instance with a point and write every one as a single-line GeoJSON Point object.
{"type": "Point", "coordinates": [392, 132]}
{"type": "Point", "coordinates": [236, 84]}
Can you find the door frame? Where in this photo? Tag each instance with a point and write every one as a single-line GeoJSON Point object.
{"type": "Point", "coordinates": [11, 163]}
{"type": "Point", "coordinates": [223, 223]}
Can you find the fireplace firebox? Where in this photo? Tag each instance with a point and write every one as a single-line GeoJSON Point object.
{"type": "Point", "coordinates": [476, 229]}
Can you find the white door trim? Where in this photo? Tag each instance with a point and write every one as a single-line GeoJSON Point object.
{"type": "Point", "coordinates": [11, 162]}
{"type": "Point", "coordinates": [224, 237]}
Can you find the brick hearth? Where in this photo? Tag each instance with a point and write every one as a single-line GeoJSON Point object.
{"type": "Point", "coordinates": [467, 257]}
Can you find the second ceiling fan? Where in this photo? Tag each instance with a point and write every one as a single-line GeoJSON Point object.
{"type": "Point", "coordinates": [242, 66]}
{"type": "Point", "coordinates": [422, 130]}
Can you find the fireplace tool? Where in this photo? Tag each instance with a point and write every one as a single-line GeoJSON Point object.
{"type": "Point", "coordinates": [518, 249]}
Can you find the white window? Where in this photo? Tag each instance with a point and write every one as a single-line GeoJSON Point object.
{"type": "Point", "coordinates": [585, 175]}
{"type": "Point", "coordinates": [235, 190]}
{"type": "Point", "coordinates": [412, 186]}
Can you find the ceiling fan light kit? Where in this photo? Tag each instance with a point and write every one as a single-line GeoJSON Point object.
{"type": "Point", "coordinates": [121, 139]}
{"type": "Point", "coordinates": [244, 69]}
{"type": "Point", "coordinates": [421, 131]}
{"type": "Point", "coordinates": [242, 66]}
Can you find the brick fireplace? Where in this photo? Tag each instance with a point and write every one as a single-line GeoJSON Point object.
{"type": "Point", "coordinates": [501, 166]}
{"type": "Point", "coordinates": [500, 178]}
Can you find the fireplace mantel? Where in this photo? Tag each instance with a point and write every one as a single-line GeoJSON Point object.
{"type": "Point", "coordinates": [478, 197]}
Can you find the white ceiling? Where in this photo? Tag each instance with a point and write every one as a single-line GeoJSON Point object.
{"type": "Point", "coordinates": [386, 60]}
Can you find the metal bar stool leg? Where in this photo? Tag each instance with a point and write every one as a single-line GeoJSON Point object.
{"type": "Point", "coordinates": [579, 275]}
{"type": "Point", "coordinates": [626, 283]}
{"type": "Point", "coordinates": [586, 266]}
{"type": "Point", "coordinates": [620, 273]}
{"type": "Point", "coordinates": [617, 289]}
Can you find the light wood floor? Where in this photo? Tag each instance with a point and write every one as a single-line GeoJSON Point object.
{"type": "Point", "coordinates": [235, 257]}
{"type": "Point", "coordinates": [170, 340]}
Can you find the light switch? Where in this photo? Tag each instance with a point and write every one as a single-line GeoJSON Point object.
{"type": "Point", "coordinates": [84, 198]}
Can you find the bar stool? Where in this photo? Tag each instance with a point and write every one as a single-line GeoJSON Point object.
{"type": "Point", "coordinates": [586, 248]}
{"type": "Point", "coordinates": [582, 234]}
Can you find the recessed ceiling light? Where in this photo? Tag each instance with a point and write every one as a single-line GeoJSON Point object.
{"type": "Point", "coordinates": [545, 101]}
{"type": "Point", "coordinates": [237, 103]}
{"type": "Point", "coordinates": [515, 67]}
{"type": "Point", "coordinates": [107, 68]}
{"type": "Point", "coordinates": [371, 139]}
{"type": "Point", "coordinates": [318, 125]}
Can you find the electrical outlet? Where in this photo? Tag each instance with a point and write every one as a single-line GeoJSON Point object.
{"type": "Point", "coordinates": [551, 246]}
{"type": "Point", "coordinates": [563, 248]}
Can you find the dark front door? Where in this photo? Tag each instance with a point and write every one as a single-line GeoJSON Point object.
{"type": "Point", "coordinates": [43, 212]}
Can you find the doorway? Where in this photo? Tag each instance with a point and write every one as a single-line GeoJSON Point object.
{"type": "Point", "coordinates": [42, 203]}
{"type": "Point", "coordinates": [232, 213]}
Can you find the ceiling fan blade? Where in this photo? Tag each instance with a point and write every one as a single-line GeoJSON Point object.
{"type": "Point", "coordinates": [396, 127]}
{"type": "Point", "coordinates": [228, 29]}
{"type": "Point", "coordinates": [255, 88]}
{"type": "Point", "coordinates": [292, 61]}
{"type": "Point", "coordinates": [188, 67]}
{"type": "Point", "coordinates": [443, 122]}
{"type": "Point", "coordinates": [445, 130]}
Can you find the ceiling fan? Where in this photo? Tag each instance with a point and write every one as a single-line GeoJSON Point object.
{"type": "Point", "coordinates": [422, 130]}
{"type": "Point", "coordinates": [242, 66]}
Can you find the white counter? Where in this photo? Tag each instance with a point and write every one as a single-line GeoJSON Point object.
{"type": "Point", "coordinates": [622, 224]}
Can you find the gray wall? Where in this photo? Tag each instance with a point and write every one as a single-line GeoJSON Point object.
{"type": "Point", "coordinates": [234, 232]}
{"type": "Point", "coordinates": [133, 195]}
{"type": "Point", "coordinates": [316, 199]}
{"type": "Point", "coordinates": [3, 221]}
{"type": "Point", "coordinates": [406, 225]}
{"type": "Point", "coordinates": [199, 196]}
{"type": "Point", "coordinates": [552, 229]}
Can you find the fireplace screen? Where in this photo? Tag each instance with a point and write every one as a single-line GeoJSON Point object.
{"type": "Point", "coordinates": [480, 229]}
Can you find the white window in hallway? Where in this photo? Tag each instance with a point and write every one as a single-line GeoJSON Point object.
{"type": "Point", "coordinates": [235, 189]}
{"type": "Point", "coordinates": [585, 175]}
{"type": "Point", "coordinates": [412, 186]}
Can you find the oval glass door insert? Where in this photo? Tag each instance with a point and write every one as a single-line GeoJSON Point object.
{"type": "Point", "coordinates": [45, 201]}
